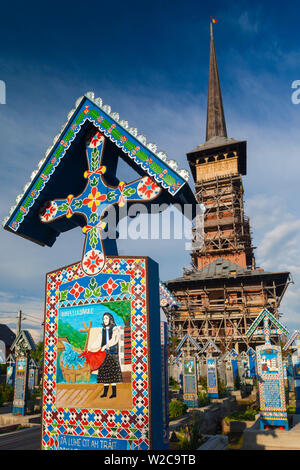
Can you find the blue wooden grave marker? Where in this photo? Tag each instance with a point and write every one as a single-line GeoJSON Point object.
{"type": "Point", "coordinates": [32, 374]}
{"type": "Point", "coordinates": [211, 350]}
{"type": "Point", "coordinates": [10, 370]}
{"type": "Point", "coordinates": [270, 377]}
{"type": "Point", "coordinates": [234, 356]}
{"type": "Point", "coordinates": [165, 379]}
{"type": "Point", "coordinates": [243, 366]}
{"type": "Point", "coordinates": [227, 360]}
{"type": "Point", "coordinates": [21, 348]}
{"type": "Point", "coordinates": [252, 362]}
{"type": "Point", "coordinates": [189, 347]}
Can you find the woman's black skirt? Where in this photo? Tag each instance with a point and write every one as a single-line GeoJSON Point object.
{"type": "Point", "coordinates": [110, 371]}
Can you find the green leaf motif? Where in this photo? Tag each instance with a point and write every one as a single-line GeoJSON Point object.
{"type": "Point", "coordinates": [124, 286]}
{"type": "Point", "coordinates": [97, 292]}
{"type": "Point", "coordinates": [128, 192]}
{"type": "Point", "coordinates": [111, 196]}
{"type": "Point", "coordinates": [78, 204]}
{"type": "Point", "coordinates": [63, 207]}
{"type": "Point", "coordinates": [95, 159]}
{"type": "Point", "coordinates": [93, 217]}
{"type": "Point", "coordinates": [88, 293]}
{"type": "Point", "coordinates": [92, 289]}
{"type": "Point", "coordinates": [63, 295]}
{"type": "Point", "coordinates": [93, 283]}
{"type": "Point", "coordinates": [93, 238]}
{"type": "Point", "coordinates": [94, 181]}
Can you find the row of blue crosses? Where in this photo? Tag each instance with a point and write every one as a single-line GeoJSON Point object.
{"type": "Point", "coordinates": [94, 201]}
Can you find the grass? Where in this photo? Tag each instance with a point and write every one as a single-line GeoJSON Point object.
{"type": "Point", "coordinates": [173, 384]}
{"type": "Point", "coordinates": [176, 409]}
{"type": "Point", "coordinates": [203, 399]}
{"type": "Point", "coordinates": [190, 438]}
{"type": "Point", "coordinates": [246, 415]}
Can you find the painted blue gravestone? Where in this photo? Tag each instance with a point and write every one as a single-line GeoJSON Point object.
{"type": "Point", "coordinates": [199, 366]}
{"type": "Point", "coordinates": [243, 366]}
{"type": "Point", "coordinates": [2, 352]}
{"type": "Point", "coordinates": [165, 379]}
{"type": "Point", "coordinates": [203, 369]}
{"type": "Point", "coordinates": [179, 369]}
{"type": "Point", "coordinates": [227, 360]}
{"type": "Point", "coordinates": [293, 343]}
{"type": "Point", "coordinates": [290, 372]}
{"type": "Point", "coordinates": [252, 362]}
{"type": "Point", "coordinates": [33, 369]}
{"type": "Point", "coordinates": [211, 350]}
{"type": "Point", "coordinates": [190, 384]}
{"type": "Point", "coordinates": [221, 369]}
{"type": "Point", "coordinates": [102, 381]}
{"type": "Point", "coordinates": [21, 347]}
{"type": "Point", "coordinates": [285, 376]}
{"type": "Point", "coordinates": [189, 348]}
{"type": "Point", "coordinates": [234, 356]}
{"type": "Point", "coordinates": [10, 370]}
{"type": "Point", "coordinates": [270, 376]}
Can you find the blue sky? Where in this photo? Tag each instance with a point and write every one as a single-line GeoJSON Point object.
{"type": "Point", "coordinates": [149, 61]}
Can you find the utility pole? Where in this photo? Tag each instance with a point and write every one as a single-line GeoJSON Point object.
{"type": "Point", "coordinates": [19, 321]}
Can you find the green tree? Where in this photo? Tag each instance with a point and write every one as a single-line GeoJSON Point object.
{"type": "Point", "coordinates": [38, 353]}
{"type": "Point", "coordinates": [121, 308]}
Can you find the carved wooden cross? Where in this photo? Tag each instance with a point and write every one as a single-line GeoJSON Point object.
{"type": "Point", "coordinates": [94, 201]}
{"type": "Point", "coordinates": [267, 330]}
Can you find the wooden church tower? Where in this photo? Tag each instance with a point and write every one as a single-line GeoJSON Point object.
{"type": "Point", "coordinates": [223, 292]}
{"type": "Point", "coordinates": [217, 167]}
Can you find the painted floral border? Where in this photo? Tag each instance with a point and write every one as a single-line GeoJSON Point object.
{"type": "Point", "coordinates": [132, 425]}
{"type": "Point", "coordinates": [150, 163]}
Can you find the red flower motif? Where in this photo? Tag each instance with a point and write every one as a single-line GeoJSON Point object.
{"type": "Point", "coordinates": [110, 286]}
{"type": "Point", "coordinates": [93, 261]}
{"type": "Point", "coordinates": [48, 211]}
{"type": "Point", "coordinates": [94, 199]}
{"type": "Point", "coordinates": [148, 188]}
{"type": "Point", "coordinates": [96, 139]}
{"type": "Point", "coordinates": [76, 290]}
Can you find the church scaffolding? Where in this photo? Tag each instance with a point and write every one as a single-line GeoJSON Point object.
{"type": "Point", "coordinates": [223, 291]}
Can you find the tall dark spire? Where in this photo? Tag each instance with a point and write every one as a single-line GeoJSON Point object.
{"type": "Point", "coordinates": [215, 123]}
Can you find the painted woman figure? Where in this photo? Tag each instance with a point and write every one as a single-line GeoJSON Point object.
{"type": "Point", "coordinates": [110, 371]}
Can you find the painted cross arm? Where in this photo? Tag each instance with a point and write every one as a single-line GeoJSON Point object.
{"type": "Point", "coordinates": [94, 202]}
{"type": "Point", "coordinates": [271, 326]}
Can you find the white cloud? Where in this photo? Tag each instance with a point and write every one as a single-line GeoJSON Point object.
{"type": "Point", "coordinates": [277, 236]}
{"type": "Point", "coordinates": [249, 21]}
